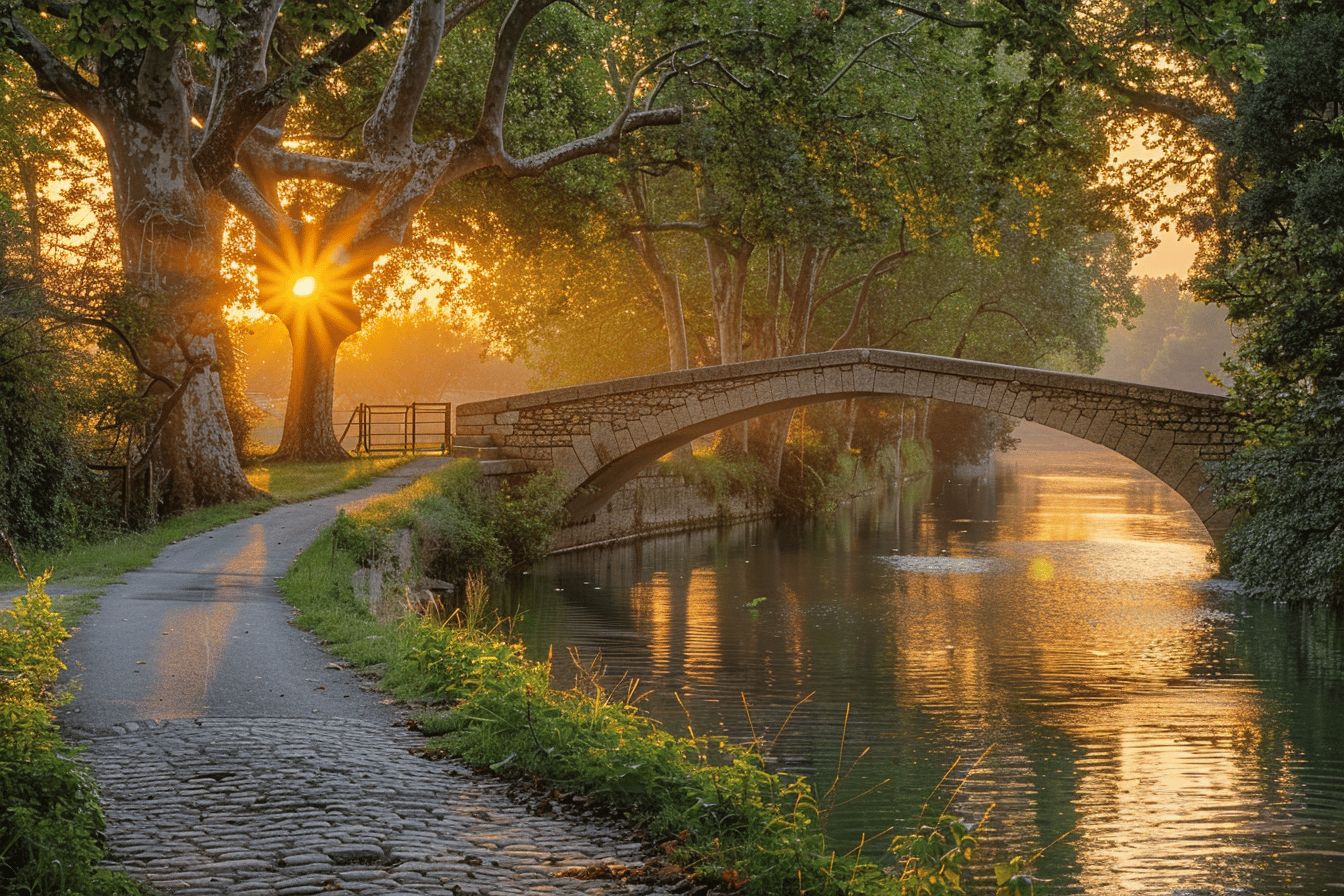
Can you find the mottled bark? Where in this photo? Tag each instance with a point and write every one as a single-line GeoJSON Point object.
{"type": "Point", "coordinates": [170, 235]}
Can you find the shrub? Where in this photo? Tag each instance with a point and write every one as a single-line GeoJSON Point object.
{"type": "Point", "coordinates": [526, 517]}
{"type": "Point", "coordinates": [720, 476]}
{"type": "Point", "coordinates": [51, 824]}
{"type": "Point", "coordinates": [459, 525]}
{"type": "Point", "coordinates": [454, 538]}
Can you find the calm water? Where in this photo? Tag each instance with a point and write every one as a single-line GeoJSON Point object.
{"type": "Point", "coordinates": [1060, 610]}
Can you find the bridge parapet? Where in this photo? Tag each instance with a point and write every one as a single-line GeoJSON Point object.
{"type": "Point", "coordinates": [598, 436]}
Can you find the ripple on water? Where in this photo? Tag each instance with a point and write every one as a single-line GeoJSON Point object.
{"type": "Point", "coordinates": [940, 565]}
{"type": "Point", "coordinates": [1189, 738]}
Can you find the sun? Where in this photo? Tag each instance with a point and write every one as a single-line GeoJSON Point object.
{"type": "Point", "coordinates": [305, 286]}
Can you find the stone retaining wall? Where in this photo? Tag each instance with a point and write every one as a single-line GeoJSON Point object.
{"type": "Point", "coordinates": [655, 503]}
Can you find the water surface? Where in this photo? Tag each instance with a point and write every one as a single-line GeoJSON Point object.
{"type": "Point", "coordinates": [1058, 610]}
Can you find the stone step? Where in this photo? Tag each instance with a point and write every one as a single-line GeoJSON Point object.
{"type": "Point", "coordinates": [491, 453]}
{"type": "Point", "coordinates": [506, 467]}
{"type": "Point", "coordinates": [469, 441]}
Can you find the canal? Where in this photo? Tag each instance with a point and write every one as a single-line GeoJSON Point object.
{"type": "Point", "coordinates": [1053, 622]}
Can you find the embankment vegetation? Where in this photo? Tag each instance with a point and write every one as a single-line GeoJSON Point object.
{"type": "Point", "coordinates": [51, 824]}
{"type": "Point", "coordinates": [714, 806]}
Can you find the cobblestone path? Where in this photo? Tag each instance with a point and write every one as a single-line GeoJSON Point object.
{"type": "Point", "coordinates": [266, 767]}
{"type": "Point", "coordinates": [294, 806]}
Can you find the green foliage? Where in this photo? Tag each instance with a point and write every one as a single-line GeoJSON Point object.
{"type": "Point", "coordinates": [527, 516]}
{"type": "Point", "coordinates": [50, 821]}
{"type": "Point", "coordinates": [459, 526]}
{"type": "Point", "coordinates": [46, 493]}
{"type": "Point", "coordinates": [818, 473]}
{"type": "Point", "coordinates": [916, 457]}
{"type": "Point", "coordinates": [720, 476]}
{"type": "Point", "coordinates": [1281, 276]}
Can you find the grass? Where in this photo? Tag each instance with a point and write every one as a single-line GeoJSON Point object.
{"type": "Point", "coordinates": [290, 481]}
{"type": "Point", "coordinates": [94, 564]}
{"type": "Point", "coordinates": [713, 806]}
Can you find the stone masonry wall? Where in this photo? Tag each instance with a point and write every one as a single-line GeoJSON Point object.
{"type": "Point", "coordinates": [655, 503]}
{"type": "Point", "coordinates": [600, 435]}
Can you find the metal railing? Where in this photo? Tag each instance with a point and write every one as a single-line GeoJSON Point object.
{"type": "Point", "coordinates": [422, 426]}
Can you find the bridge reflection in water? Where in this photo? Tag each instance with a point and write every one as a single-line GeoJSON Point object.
{"type": "Point", "coordinates": [1061, 610]}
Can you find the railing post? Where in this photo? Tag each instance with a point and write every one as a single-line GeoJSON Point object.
{"type": "Point", "coordinates": [447, 428]}
{"type": "Point", "coordinates": [415, 428]}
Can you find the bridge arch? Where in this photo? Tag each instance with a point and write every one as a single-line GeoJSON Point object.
{"type": "Point", "coordinates": [599, 436]}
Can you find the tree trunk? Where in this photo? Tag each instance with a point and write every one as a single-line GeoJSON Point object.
{"type": "Point", "coordinates": [728, 286]}
{"type": "Point", "coordinates": [317, 326]}
{"type": "Point", "coordinates": [170, 246]}
{"type": "Point", "coordinates": [194, 456]}
{"type": "Point", "coordinates": [309, 433]}
{"type": "Point", "coordinates": [669, 289]}
{"type": "Point", "coordinates": [669, 294]}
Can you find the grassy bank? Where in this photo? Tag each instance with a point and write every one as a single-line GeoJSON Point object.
{"type": "Point", "coordinates": [714, 806]}
{"type": "Point", "coordinates": [94, 563]}
{"type": "Point", "coordinates": [51, 823]}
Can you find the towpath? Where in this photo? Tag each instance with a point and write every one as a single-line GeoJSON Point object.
{"type": "Point", "coordinates": [234, 755]}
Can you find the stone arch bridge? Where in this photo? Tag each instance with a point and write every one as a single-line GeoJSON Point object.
{"type": "Point", "coordinates": [600, 435]}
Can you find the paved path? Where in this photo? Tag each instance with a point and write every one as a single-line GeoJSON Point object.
{"type": "Point", "coordinates": [235, 757]}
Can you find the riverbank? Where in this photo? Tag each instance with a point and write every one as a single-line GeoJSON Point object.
{"type": "Point", "coordinates": [710, 805]}
{"type": "Point", "coordinates": [234, 754]}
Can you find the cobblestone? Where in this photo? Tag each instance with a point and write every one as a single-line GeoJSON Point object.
{"type": "Point", "coordinates": [296, 806]}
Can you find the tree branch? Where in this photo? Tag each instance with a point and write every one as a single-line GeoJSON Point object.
{"type": "Point", "coordinates": [125, 341]}
{"type": "Point", "coordinates": [606, 141]}
{"type": "Point", "coordinates": [283, 164]}
{"type": "Point", "coordinates": [239, 190]}
{"type": "Point", "coordinates": [52, 73]}
{"type": "Point", "coordinates": [490, 128]}
{"type": "Point", "coordinates": [862, 51]}
{"type": "Point", "coordinates": [215, 157]}
{"type": "Point", "coordinates": [937, 15]}
{"type": "Point", "coordinates": [1204, 121]}
{"type": "Point", "coordinates": [882, 266]}
{"type": "Point", "coordinates": [389, 128]}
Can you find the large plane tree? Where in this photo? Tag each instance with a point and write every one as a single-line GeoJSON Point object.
{"type": "Point", "coordinates": [193, 102]}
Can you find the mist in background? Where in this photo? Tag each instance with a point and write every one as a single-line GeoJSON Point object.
{"type": "Point", "coordinates": [1175, 343]}
{"type": "Point", "coordinates": [393, 360]}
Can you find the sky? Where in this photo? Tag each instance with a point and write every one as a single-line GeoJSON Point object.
{"type": "Point", "coordinates": [1174, 254]}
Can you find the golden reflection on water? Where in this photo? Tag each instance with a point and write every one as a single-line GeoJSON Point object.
{"type": "Point", "coordinates": [653, 604]}
{"type": "Point", "coordinates": [1056, 611]}
{"type": "Point", "coordinates": [699, 643]}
